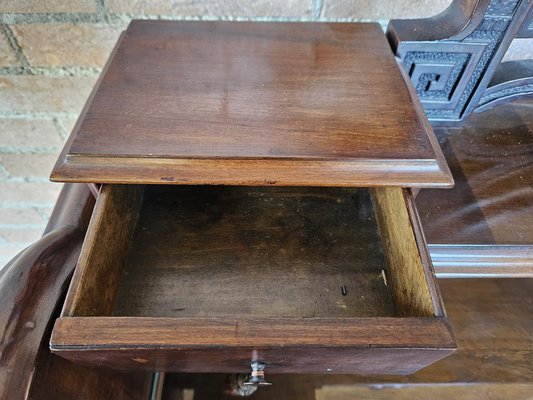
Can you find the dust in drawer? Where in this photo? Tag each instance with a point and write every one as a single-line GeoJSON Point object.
{"type": "Point", "coordinates": [255, 251]}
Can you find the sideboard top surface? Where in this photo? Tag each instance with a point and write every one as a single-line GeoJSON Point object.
{"type": "Point", "coordinates": [253, 103]}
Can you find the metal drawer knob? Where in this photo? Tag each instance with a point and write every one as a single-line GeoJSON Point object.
{"type": "Point", "coordinates": [257, 377]}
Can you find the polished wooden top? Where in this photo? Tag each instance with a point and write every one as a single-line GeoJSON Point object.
{"type": "Point", "coordinates": [255, 104]}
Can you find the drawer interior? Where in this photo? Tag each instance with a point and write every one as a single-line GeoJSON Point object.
{"type": "Point", "coordinates": [248, 251]}
{"type": "Point", "coordinates": [208, 278]}
{"type": "Point", "coordinates": [215, 251]}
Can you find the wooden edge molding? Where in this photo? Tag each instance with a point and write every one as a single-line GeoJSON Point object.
{"type": "Point", "coordinates": [90, 333]}
{"type": "Point", "coordinates": [254, 172]}
{"type": "Point", "coordinates": [63, 156]}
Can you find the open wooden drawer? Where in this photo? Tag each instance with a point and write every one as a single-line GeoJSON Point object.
{"type": "Point", "coordinates": [211, 278]}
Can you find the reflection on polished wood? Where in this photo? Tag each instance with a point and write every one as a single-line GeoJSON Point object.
{"type": "Point", "coordinates": [216, 274]}
{"type": "Point", "coordinates": [253, 104]}
{"type": "Point", "coordinates": [492, 321]}
{"type": "Point", "coordinates": [491, 158]}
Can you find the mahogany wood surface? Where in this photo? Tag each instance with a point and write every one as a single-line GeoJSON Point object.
{"type": "Point", "coordinates": [253, 104]}
{"type": "Point", "coordinates": [31, 288]}
{"type": "Point", "coordinates": [113, 219]}
{"type": "Point", "coordinates": [487, 218]}
{"type": "Point", "coordinates": [286, 345]}
{"type": "Point", "coordinates": [241, 251]}
{"type": "Point", "coordinates": [492, 321]}
{"type": "Point", "coordinates": [208, 261]}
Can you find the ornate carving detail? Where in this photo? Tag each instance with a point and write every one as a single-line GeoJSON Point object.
{"type": "Point", "coordinates": [522, 90]}
{"type": "Point", "coordinates": [451, 74]}
{"type": "Point", "coordinates": [434, 74]}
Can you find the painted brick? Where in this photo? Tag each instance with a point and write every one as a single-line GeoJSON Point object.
{"type": "Point", "coordinates": [207, 8]}
{"type": "Point", "coordinates": [28, 165]}
{"type": "Point", "coordinates": [47, 6]}
{"type": "Point", "coordinates": [67, 45]}
{"type": "Point", "coordinates": [23, 195]}
{"type": "Point", "coordinates": [29, 135]}
{"type": "Point", "coordinates": [68, 124]}
{"type": "Point", "coordinates": [8, 58]}
{"type": "Point", "coordinates": [21, 216]}
{"type": "Point", "coordinates": [373, 10]}
{"type": "Point", "coordinates": [27, 93]}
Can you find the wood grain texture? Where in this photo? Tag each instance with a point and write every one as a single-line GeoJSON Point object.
{"type": "Point", "coordinates": [104, 250]}
{"type": "Point", "coordinates": [186, 241]}
{"type": "Point", "coordinates": [31, 290]}
{"type": "Point", "coordinates": [492, 321]}
{"type": "Point", "coordinates": [255, 104]}
{"type": "Point", "coordinates": [60, 379]}
{"type": "Point", "coordinates": [490, 156]}
{"type": "Point", "coordinates": [313, 345]}
{"type": "Point", "coordinates": [132, 332]}
{"type": "Point", "coordinates": [435, 392]}
{"type": "Point", "coordinates": [245, 251]}
{"type": "Point", "coordinates": [32, 287]}
{"type": "Point", "coordinates": [406, 271]}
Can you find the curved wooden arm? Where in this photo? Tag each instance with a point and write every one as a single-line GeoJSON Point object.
{"type": "Point", "coordinates": [31, 290]}
{"type": "Point", "coordinates": [32, 287]}
{"type": "Point", "coordinates": [457, 21]}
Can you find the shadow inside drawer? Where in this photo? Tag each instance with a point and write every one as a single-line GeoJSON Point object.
{"type": "Point", "coordinates": [255, 251]}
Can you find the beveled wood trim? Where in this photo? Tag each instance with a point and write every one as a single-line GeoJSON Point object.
{"type": "Point", "coordinates": [424, 121]}
{"type": "Point", "coordinates": [90, 333]}
{"type": "Point", "coordinates": [461, 261]}
{"type": "Point", "coordinates": [64, 152]}
{"type": "Point", "coordinates": [254, 172]}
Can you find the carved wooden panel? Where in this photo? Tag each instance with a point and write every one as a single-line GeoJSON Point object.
{"type": "Point", "coordinates": [451, 68]}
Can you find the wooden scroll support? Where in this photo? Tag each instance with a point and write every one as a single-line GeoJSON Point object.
{"type": "Point", "coordinates": [33, 286]}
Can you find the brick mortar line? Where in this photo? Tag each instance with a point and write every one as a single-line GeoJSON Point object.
{"type": "Point", "coordinates": [101, 8]}
{"type": "Point", "coordinates": [103, 16]}
{"type": "Point", "coordinates": [28, 179]}
{"type": "Point", "coordinates": [317, 8]}
{"type": "Point", "coordinates": [41, 211]}
{"type": "Point", "coordinates": [37, 115]}
{"type": "Point", "coordinates": [43, 18]}
{"type": "Point", "coordinates": [18, 205]}
{"type": "Point", "coordinates": [21, 226]}
{"type": "Point", "coordinates": [28, 150]}
{"type": "Point", "coordinates": [13, 245]}
{"type": "Point", "coordinates": [5, 172]}
{"type": "Point", "coordinates": [51, 71]}
{"type": "Point", "coordinates": [15, 46]}
{"type": "Point", "coordinates": [63, 134]}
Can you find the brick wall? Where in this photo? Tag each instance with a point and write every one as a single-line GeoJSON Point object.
{"type": "Point", "coordinates": [51, 52]}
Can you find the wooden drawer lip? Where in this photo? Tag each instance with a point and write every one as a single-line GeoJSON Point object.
{"type": "Point", "coordinates": [92, 333]}
{"type": "Point", "coordinates": [317, 360]}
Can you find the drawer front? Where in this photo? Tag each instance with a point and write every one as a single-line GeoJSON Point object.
{"type": "Point", "coordinates": [198, 279]}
